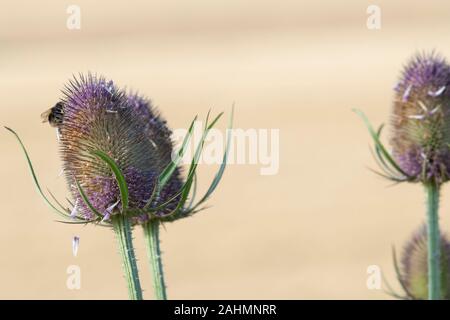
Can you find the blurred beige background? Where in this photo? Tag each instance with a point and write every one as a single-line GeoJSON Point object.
{"type": "Point", "coordinates": [308, 232]}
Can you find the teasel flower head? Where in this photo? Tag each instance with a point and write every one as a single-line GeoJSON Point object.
{"type": "Point", "coordinates": [421, 119]}
{"type": "Point", "coordinates": [97, 116]}
{"type": "Point", "coordinates": [420, 124]}
{"type": "Point", "coordinates": [412, 272]}
{"type": "Point", "coordinates": [118, 157]}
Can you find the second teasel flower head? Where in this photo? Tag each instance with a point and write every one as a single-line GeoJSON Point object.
{"type": "Point", "coordinates": [96, 115]}
{"type": "Point", "coordinates": [413, 271]}
{"type": "Point", "coordinates": [421, 119]}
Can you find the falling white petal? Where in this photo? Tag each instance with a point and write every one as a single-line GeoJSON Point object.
{"type": "Point", "coordinates": [75, 245]}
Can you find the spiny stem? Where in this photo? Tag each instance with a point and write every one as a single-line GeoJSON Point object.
{"type": "Point", "coordinates": [434, 247]}
{"type": "Point", "coordinates": [151, 233]}
{"type": "Point", "coordinates": [122, 229]}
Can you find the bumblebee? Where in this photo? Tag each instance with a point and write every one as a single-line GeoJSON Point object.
{"type": "Point", "coordinates": [54, 116]}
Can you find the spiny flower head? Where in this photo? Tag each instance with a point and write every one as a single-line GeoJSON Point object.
{"type": "Point", "coordinates": [414, 267]}
{"type": "Point", "coordinates": [96, 115]}
{"type": "Point", "coordinates": [421, 119]}
{"type": "Point", "coordinates": [117, 157]}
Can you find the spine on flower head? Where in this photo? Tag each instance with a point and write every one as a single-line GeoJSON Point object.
{"type": "Point", "coordinates": [421, 119]}
{"type": "Point", "coordinates": [99, 116]}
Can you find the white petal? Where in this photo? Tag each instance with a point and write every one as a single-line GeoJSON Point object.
{"type": "Point", "coordinates": [58, 135]}
{"type": "Point", "coordinates": [438, 92]}
{"type": "Point", "coordinates": [107, 216]}
{"type": "Point", "coordinates": [108, 211]}
{"type": "Point", "coordinates": [423, 106]}
{"type": "Point", "coordinates": [75, 245]}
{"type": "Point", "coordinates": [417, 116]}
{"type": "Point", "coordinates": [435, 110]}
{"type": "Point", "coordinates": [74, 211]}
{"type": "Point", "coordinates": [406, 93]}
{"type": "Point", "coordinates": [111, 207]}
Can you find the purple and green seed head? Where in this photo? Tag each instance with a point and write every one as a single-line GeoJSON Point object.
{"type": "Point", "coordinates": [96, 115]}
{"type": "Point", "coordinates": [414, 266]}
{"type": "Point", "coordinates": [421, 119]}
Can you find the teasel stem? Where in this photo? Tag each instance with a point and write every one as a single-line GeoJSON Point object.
{"type": "Point", "coordinates": [434, 247]}
{"type": "Point", "coordinates": [122, 229]}
{"type": "Point", "coordinates": [151, 234]}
